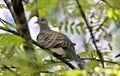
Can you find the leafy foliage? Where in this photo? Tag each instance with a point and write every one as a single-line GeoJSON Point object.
{"type": "Point", "coordinates": [13, 60]}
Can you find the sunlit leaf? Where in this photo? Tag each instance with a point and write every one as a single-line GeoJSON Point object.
{"type": "Point", "coordinates": [93, 64]}
{"type": "Point", "coordinates": [8, 39]}
{"type": "Point", "coordinates": [76, 73]}
{"type": "Point", "coordinates": [110, 13]}
{"type": "Point", "coordinates": [46, 6]}
{"type": "Point", "coordinates": [114, 3]}
{"type": "Point", "coordinates": [113, 14]}
{"type": "Point", "coordinates": [117, 12]}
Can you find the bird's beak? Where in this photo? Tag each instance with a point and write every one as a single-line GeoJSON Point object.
{"type": "Point", "coordinates": [36, 22]}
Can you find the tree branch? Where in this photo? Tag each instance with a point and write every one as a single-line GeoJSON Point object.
{"type": "Point", "coordinates": [90, 30]}
{"type": "Point", "coordinates": [17, 11]}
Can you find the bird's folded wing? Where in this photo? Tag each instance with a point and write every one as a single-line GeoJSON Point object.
{"type": "Point", "coordinates": [52, 41]}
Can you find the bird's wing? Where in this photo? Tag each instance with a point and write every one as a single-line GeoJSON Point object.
{"type": "Point", "coordinates": [55, 39]}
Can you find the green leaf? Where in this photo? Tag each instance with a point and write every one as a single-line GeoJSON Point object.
{"type": "Point", "coordinates": [71, 28]}
{"type": "Point", "coordinates": [60, 25]}
{"type": "Point", "coordinates": [46, 7]}
{"type": "Point", "coordinates": [77, 30]}
{"type": "Point", "coordinates": [53, 21]}
{"type": "Point", "coordinates": [83, 54]}
{"type": "Point", "coordinates": [66, 23]}
{"type": "Point", "coordinates": [66, 28]}
{"type": "Point", "coordinates": [110, 13]}
{"type": "Point", "coordinates": [92, 64]}
{"type": "Point", "coordinates": [113, 14]}
{"type": "Point", "coordinates": [76, 73]}
{"type": "Point", "coordinates": [8, 39]}
{"type": "Point", "coordinates": [114, 3]}
{"type": "Point", "coordinates": [79, 25]}
{"type": "Point", "coordinates": [9, 43]}
{"type": "Point", "coordinates": [117, 12]}
{"type": "Point", "coordinates": [2, 6]}
{"type": "Point", "coordinates": [72, 24]}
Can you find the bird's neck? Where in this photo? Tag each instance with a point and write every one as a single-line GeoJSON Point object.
{"type": "Point", "coordinates": [44, 28]}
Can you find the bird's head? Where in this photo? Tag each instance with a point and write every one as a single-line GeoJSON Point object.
{"type": "Point", "coordinates": [41, 21]}
{"type": "Point", "coordinates": [43, 24]}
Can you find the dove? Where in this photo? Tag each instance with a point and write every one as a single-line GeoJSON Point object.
{"type": "Point", "coordinates": [58, 43]}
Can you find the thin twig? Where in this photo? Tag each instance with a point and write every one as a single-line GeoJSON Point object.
{"type": "Point", "coordinates": [38, 73]}
{"type": "Point", "coordinates": [100, 60]}
{"type": "Point", "coordinates": [117, 56]}
{"type": "Point", "coordinates": [90, 30]}
{"type": "Point", "coordinates": [9, 69]}
{"type": "Point", "coordinates": [100, 26]}
{"type": "Point", "coordinates": [108, 4]}
{"type": "Point", "coordinates": [3, 21]}
{"type": "Point", "coordinates": [9, 5]}
{"type": "Point", "coordinates": [46, 72]}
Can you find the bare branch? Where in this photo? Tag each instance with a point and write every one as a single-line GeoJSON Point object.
{"type": "Point", "coordinates": [90, 30]}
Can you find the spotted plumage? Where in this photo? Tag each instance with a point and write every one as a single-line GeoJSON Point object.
{"type": "Point", "coordinates": [53, 39]}
{"type": "Point", "coordinates": [58, 43]}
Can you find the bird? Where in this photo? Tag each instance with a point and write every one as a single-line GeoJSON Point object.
{"type": "Point", "coordinates": [58, 43]}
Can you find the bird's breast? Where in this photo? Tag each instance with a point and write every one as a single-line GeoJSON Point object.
{"type": "Point", "coordinates": [58, 51]}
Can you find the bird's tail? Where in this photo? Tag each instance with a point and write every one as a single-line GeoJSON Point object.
{"type": "Point", "coordinates": [74, 59]}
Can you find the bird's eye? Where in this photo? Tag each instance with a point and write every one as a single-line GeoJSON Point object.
{"type": "Point", "coordinates": [42, 19]}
